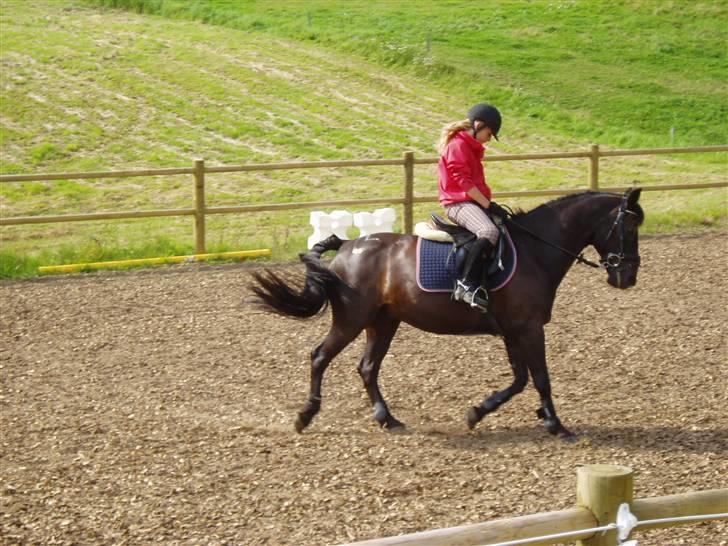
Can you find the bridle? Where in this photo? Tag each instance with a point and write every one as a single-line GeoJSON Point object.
{"type": "Point", "coordinates": [617, 261]}
{"type": "Point", "coordinates": [613, 261]}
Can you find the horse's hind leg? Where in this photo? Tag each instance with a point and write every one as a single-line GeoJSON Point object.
{"type": "Point", "coordinates": [379, 337]}
{"type": "Point", "coordinates": [321, 356]}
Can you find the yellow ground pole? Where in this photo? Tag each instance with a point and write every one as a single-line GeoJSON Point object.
{"type": "Point", "coordinates": [73, 268]}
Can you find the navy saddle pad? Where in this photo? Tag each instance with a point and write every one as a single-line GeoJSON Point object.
{"type": "Point", "coordinates": [437, 266]}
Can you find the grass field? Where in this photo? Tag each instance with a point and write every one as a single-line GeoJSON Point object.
{"type": "Point", "coordinates": [621, 72]}
{"type": "Point", "coordinates": [248, 82]}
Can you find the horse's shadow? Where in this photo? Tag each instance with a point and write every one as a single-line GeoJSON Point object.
{"type": "Point", "coordinates": [657, 438]}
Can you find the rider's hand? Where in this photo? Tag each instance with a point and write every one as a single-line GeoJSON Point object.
{"type": "Point", "coordinates": [496, 209]}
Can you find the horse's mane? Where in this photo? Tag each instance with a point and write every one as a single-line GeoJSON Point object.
{"type": "Point", "coordinates": [540, 210]}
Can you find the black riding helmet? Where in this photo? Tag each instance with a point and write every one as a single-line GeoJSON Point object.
{"type": "Point", "coordinates": [488, 114]}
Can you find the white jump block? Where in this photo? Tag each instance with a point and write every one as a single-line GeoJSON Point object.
{"type": "Point", "coordinates": [380, 221]}
{"type": "Point", "coordinates": [321, 223]}
{"type": "Point", "coordinates": [339, 221]}
{"type": "Point", "coordinates": [324, 225]}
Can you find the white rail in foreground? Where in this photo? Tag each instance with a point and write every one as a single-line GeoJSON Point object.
{"type": "Point", "coordinates": [626, 521]}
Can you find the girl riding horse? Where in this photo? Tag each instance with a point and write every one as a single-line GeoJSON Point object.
{"type": "Point", "coordinates": [465, 194]}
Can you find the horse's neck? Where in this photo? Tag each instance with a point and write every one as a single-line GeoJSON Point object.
{"type": "Point", "coordinates": [571, 225]}
{"type": "Point", "coordinates": [579, 220]}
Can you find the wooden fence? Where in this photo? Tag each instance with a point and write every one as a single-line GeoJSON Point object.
{"type": "Point", "coordinates": [600, 491]}
{"type": "Point", "coordinates": [408, 161]}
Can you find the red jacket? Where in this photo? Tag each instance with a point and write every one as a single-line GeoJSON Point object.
{"type": "Point", "coordinates": [461, 168]}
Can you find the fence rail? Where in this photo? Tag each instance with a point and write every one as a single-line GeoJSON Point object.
{"type": "Point", "coordinates": [407, 200]}
{"type": "Point", "coordinates": [601, 489]}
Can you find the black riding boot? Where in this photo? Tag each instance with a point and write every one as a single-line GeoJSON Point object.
{"type": "Point", "coordinates": [468, 289]}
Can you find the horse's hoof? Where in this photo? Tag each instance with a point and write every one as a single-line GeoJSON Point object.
{"type": "Point", "coordinates": [299, 424]}
{"type": "Point", "coordinates": [473, 417]}
{"type": "Point", "coordinates": [561, 432]}
{"type": "Point", "coordinates": [393, 425]}
{"type": "Point", "coordinates": [566, 435]}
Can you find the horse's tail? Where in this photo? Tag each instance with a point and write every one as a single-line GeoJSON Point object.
{"type": "Point", "coordinates": [278, 295]}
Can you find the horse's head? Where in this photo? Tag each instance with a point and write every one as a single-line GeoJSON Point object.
{"type": "Point", "coordinates": [616, 240]}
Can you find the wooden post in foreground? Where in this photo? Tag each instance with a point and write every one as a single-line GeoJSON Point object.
{"type": "Point", "coordinates": [602, 488]}
{"type": "Point", "coordinates": [199, 206]}
{"type": "Point", "coordinates": [409, 179]}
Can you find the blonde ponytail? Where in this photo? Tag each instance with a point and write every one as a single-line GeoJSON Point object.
{"type": "Point", "coordinates": [449, 131]}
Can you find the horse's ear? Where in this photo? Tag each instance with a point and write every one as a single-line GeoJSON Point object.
{"type": "Point", "coordinates": [633, 195]}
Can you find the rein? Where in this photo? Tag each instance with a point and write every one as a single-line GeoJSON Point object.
{"type": "Point", "coordinates": [612, 260]}
{"type": "Point", "coordinates": [578, 257]}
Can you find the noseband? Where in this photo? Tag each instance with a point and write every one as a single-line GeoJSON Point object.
{"type": "Point", "coordinates": [618, 261]}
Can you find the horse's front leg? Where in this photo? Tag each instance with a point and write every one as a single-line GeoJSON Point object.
{"type": "Point", "coordinates": [526, 352]}
{"type": "Point", "coordinates": [539, 372]}
{"type": "Point", "coordinates": [520, 379]}
{"type": "Point", "coordinates": [379, 338]}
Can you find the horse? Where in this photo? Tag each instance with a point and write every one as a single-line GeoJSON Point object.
{"type": "Point", "coordinates": [370, 285]}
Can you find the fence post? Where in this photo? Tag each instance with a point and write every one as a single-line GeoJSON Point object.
{"type": "Point", "coordinates": [199, 206]}
{"type": "Point", "coordinates": [409, 179]}
{"type": "Point", "coordinates": [602, 488]}
{"type": "Point", "coordinates": [594, 167]}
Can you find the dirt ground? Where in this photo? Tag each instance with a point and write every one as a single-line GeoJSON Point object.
{"type": "Point", "coordinates": [155, 406]}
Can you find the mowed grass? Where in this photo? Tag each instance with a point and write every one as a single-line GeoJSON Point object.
{"type": "Point", "coordinates": [623, 72]}
{"type": "Point", "coordinates": [109, 90]}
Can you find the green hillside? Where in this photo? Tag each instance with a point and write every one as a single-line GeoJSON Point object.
{"type": "Point", "coordinates": [618, 72]}
{"type": "Point", "coordinates": [109, 89]}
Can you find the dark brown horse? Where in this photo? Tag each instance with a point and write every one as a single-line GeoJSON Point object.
{"type": "Point", "coordinates": [371, 286]}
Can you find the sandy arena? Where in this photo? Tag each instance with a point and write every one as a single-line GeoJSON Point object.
{"type": "Point", "coordinates": [155, 406]}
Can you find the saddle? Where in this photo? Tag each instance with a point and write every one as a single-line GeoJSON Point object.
{"type": "Point", "coordinates": [441, 251]}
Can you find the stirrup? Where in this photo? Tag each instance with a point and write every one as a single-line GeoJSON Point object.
{"type": "Point", "coordinates": [460, 290]}
{"type": "Point", "coordinates": [477, 300]}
